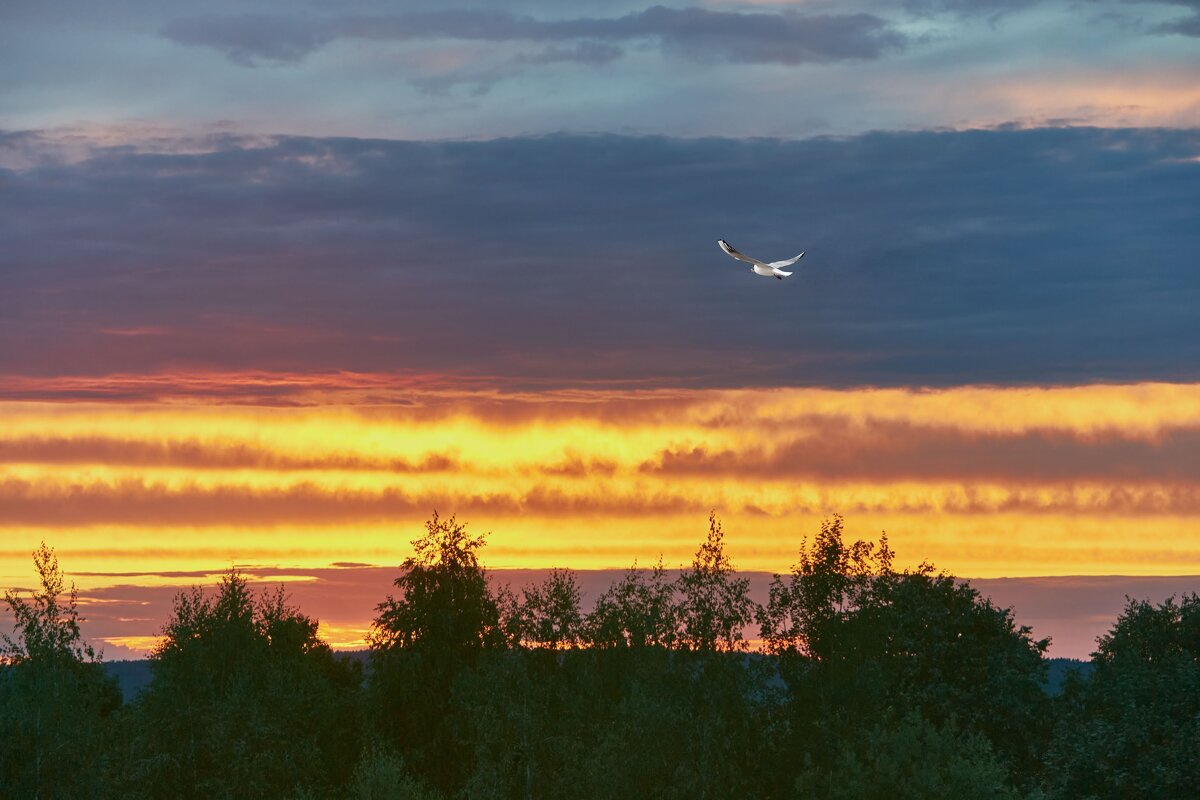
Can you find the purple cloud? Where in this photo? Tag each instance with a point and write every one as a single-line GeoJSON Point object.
{"type": "Point", "coordinates": [785, 37]}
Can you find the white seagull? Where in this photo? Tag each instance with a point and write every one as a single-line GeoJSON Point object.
{"type": "Point", "coordinates": [759, 268]}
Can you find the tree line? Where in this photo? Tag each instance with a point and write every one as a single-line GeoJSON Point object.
{"type": "Point", "coordinates": [870, 682]}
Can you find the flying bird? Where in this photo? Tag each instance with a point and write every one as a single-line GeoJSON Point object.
{"type": "Point", "coordinates": [774, 269]}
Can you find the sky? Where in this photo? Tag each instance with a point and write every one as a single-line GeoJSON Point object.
{"type": "Point", "coordinates": [279, 279]}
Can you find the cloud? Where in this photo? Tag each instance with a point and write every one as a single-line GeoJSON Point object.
{"type": "Point", "coordinates": [250, 38]}
{"type": "Point", "coordinates": [1184, 26]}
{"type": "Point", "coordinates": [990, 8]}
{"type": "Point", "coordinates": [249, 387]}
{"type": "Point", "coordinates": [1011, 480]}
{"type": "Point", "coordinates": [194, 454]}
{"type": "Point", "coordinates": [830, 449]}
{"type": "Point", "coordinates": [785, 37]}
{"type": "Point", "coordinates": [135, 502]}
{"type": "Point", "coordinates": [933, 259]}
{"type": "Point", "coordinates": [417, 70]}
{"type": "Point", "coordinates": [586, 52]}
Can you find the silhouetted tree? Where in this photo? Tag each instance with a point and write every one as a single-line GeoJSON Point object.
{"type": "Point", "coordinates": [382, 775]}
{"type": "Point", "coordinates": [909, 759]}
{"type": "Point", "coordinates": [423, 640]}
{"type": "Point", "coordinates": [681, 704]}
{"type": "Point", "coordinates": [858, 640]}
{"type": "Point", "coordinates": [1133, 728]}
{"type": "Point", "coordinates": [245, 701]}
{"type": "Point", "coordinates": [714, 604]}
{"type": "Point", "coordinates": [524, 707]}
{"type": "Point", "coordinates": [530, 716]}
{"type": "Point", "coordinates": [550, 615]}
{"type": "Point", "coordinates": [637, 611]}
{"type": "Point", "coordinates": [873, 683]}
{"type": "Point", "coordinates": [804, 612]}
{"type": "Point", "coordinates": [639, 713]}
{"type": "Point", "coordinates": [55, 701]}
{"type": "Point", "coordinates": [445, 609]}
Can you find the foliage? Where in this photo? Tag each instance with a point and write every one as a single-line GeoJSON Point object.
{"type": "Point", "coordinates": [1133, 728]}
{"type": "Point", "coordinates": [56, 704]}
{"type": "Point", "coordinates": [910, 759]}
{"type": "Point", "coordinates": [855, 639]}
{"type": "Point", "coordinates": [246, 700]}
{"type": "Point", "coordinates": [805, 612]}
{"type": "Point", "coordinates": [715, 605]}
{"type": "Point", "coordinates": [422, 641]}
{"type": "Point", "coordinates": [47, 630]}
{"type": "Point", "coordinates": [549, 616]}
{"type": "Point", "coordinates": [381, 775]}
{"type": "Point", "coordinates": [637, 611]}
{"type": "Point", "coordinates": [445, 608]}
{"type": "Point", "coordinates": [872, 683]}
{"type": "Point", "coordinates": [660, 703]}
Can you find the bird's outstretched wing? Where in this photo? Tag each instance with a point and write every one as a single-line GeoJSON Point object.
{"type": "Point", "coordinates": [724, 245]}
{"type": "Point", "coordinates": [788, 263]}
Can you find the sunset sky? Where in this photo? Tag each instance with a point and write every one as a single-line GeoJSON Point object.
{"type": "Point", "coordinates": [279, 279]}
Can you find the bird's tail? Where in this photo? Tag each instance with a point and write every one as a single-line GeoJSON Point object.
{"type": "Point", "coordinates": [780, 273]}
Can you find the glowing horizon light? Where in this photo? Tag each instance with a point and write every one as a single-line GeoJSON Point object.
{"type": "Point", "coordinates": [170, 482]}
{"type": "Point", "coordinates": [983, 481]}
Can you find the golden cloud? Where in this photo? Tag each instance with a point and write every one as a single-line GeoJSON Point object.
{"type": "Point", "coordinates": [981, 480]}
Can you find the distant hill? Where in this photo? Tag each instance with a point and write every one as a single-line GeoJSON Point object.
{"type": "Point", "coordinates": [1057, 670]}
{"type": "Point", "coordinates": [133, 676]}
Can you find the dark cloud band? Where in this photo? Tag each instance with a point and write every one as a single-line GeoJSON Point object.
{"type": "Point", "coordinates": [819, 448]}
{"type": "Point", "coordinates": [1004, 257]}
{"type": "Point", "coordinates": [785, 37]}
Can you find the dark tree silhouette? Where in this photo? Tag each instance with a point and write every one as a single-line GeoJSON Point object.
{"type": "Point", "coordinates": [662, 704]}
{"type": "Point", "coordinates": [714, 604]}
{"type": "Point", "coordinates": [445, 609]}
{"type": "Point", "coordinates": [858, 641]}
{"type": "Point", "coordinates": [423, 640]}
{"type": "Point", "coordinates": [1133, 729]}
{"type": "Point", "coordinates": [56, 704]}
{"type": "Point", "coordinates": [910, 759]}
{"type": "Point", "coordinates": [637, 611]}
{"type": "Point", "coordinates": [872, 683]}
{"type": "Point", "coordinates": [549, 613]}
{"type": "Point", "coordinates": [245, 701]}
{"type": "Point", "coordinates": [382, 775]}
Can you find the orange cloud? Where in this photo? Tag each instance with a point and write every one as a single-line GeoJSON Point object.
{"type": "Point", "coordinates": [220, 470]}
{"type": "Point", "coordinates": [194, 454]}
{"type": "Point", "coordinates": [1129, 97]}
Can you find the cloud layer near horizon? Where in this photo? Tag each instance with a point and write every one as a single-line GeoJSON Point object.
{"type": "Point", "coordinates": [980, 480]}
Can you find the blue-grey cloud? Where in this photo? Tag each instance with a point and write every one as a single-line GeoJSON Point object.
{"type": "Point", "coordinates": [988, 8]}
{"type": "Point", "coordinates": [413, 69]}
{"type": "Point", "coordinates": [1005, 256]}
{"type": "Point", "coordinates": [784, 37]}
{"type": "Point", "coordinates": [585, 52]}
{"type": "Point", "coordinates": [250, 38]}
{"type": "Point", "coordinates": [1188, 25]}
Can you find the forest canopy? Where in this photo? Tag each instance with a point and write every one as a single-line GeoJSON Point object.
{"type": "Point", "coordinates": [869, 682]}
